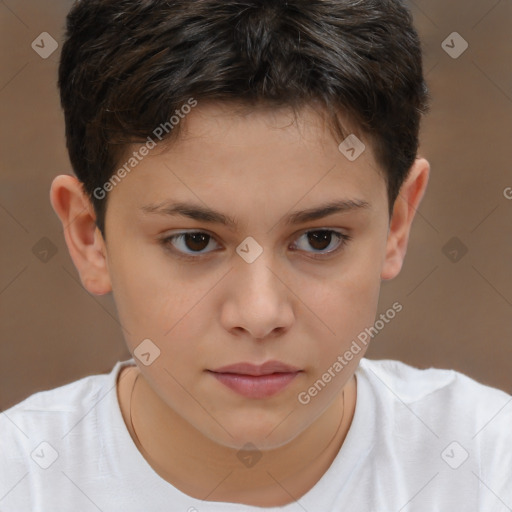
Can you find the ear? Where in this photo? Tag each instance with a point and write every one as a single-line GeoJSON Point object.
{"type": "Point", "coordinates": [83, 238]}
{"type": "Point", "coordinates": [406, 204]}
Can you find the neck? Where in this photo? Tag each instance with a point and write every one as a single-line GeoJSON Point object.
{"type": "Point", "coordinates": [178, 453]}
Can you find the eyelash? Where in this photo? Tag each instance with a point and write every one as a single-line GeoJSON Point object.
{"type": "Point", "coordinates": [167, 243]}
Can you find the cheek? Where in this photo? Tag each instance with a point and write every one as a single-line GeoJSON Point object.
{"type": "Point", "coordinates": [148, 293]}
{"type": "Point", "coordinates": [354, 284]}
{"type": "Point", "coordinates": [165, 303]}
{"type": "Point", "coordinates": [347, 308]}
{"type": "Point", "coordinates": [347, 300]}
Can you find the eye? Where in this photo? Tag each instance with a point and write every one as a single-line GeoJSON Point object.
{"type": "Point", "coordinates": [195, 241]}
{"type": "Point", "coordinates": [322, 239]}
{"type": "Point", "coordinates": [192, 244]}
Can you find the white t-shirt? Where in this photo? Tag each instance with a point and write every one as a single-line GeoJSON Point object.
{"type": "Point", "coordinates": [420, 440]}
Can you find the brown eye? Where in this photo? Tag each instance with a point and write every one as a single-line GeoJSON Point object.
{"type": "Point", "coordinates": [196, 241]}
{"type": "Point", "coordinates": [189, 243]}
{"type": "Point", "coordinates": [320, 240]}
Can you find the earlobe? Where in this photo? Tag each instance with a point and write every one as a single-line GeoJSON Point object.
{"type": "Point", "coordinates": [406, 204]}
{"type": "Point", "coordinates": [84, 240]}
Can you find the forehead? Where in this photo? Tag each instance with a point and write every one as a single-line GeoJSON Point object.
{"type": "Point", "coordinates": [234, 156]}
{"type": "Point", "coordinates": [252, 126]}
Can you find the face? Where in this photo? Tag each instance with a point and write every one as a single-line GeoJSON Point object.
{"type": "Point", "coordinates": [266, 285]}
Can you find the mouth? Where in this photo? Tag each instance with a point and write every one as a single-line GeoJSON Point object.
{"type": "Point", "coordinates": [256, 381]}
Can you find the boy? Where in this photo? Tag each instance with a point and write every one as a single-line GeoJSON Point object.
{"type": "Point", "coordinates": [247, 175]}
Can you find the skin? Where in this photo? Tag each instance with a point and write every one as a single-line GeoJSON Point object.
{"type": "Point", "coordinates": [218, 309]}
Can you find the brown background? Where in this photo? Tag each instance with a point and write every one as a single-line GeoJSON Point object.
{"type": "Point", "coordinates": [456, 314]}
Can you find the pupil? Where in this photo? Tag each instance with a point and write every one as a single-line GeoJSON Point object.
{"type": "Point", "coordinates": [320, 237]}
{"type": "Point", "coordinates": [198, 240]}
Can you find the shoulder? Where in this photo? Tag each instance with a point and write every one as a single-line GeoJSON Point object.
{"type": "Point", "coordinates": [45, 406]}
{"type": "Point", "coordinates": [446, 412]}
{"type": "Point", "coordinates": [28, 428]}
{"type": "Point", "coordinates": [56, 435]}
{"type": "Point", "coordinates": [447, 402]}
{"type": "Point", "coordinates": [410, 385]}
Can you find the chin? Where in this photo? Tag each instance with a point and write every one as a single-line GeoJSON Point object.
{"type": "Point", "coordinates": [266, 434]}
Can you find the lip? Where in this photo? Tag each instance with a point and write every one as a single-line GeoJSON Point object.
{"type": "Point", "coordinates": [256, 381]}
{"type": "Point", "coordinates": [253, 369]}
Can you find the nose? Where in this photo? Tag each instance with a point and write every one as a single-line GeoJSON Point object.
{"type": "Point", "coordinates": [259, 303]}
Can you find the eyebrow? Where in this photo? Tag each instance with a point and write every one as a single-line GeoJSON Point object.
{"type": "Point", "coordinates": [205, 214]}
